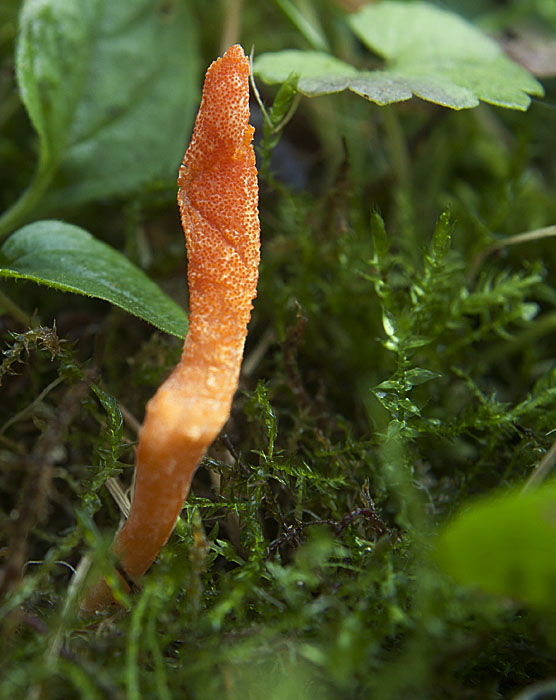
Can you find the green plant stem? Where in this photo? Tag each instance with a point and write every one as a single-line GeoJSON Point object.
{"type": "Point", "coordinates": [19, 213]}
{"type": "Point", "coordinates": [311, 33]}
{"type": "Point", "coordinates": [401, 168]}
{"type": "Point", "coordinates": [232, 23]}
{"type": "Point", "coordinates": [15, 311]}
{"type": "Point", "coordinates": [134, 644]}
{"type": "Point", "coordinates": [397, 145]}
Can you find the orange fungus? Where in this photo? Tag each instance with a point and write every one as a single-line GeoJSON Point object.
{"type": "Point", "coordinates": [218, 197]}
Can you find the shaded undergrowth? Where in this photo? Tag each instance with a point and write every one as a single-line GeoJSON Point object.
{"type": "Point", "coordinates": [394, 369]}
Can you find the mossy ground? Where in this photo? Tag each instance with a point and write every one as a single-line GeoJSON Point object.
{"type": "Point", "coordinates": [394, 370]}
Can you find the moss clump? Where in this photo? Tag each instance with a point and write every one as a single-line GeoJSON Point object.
{"type": "Point", "coordinates": [400, 361]}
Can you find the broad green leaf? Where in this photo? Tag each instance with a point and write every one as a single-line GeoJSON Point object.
{"type": "Point", "coordinates": [69, 258]}
{"type": "Point", "coordinates": [319, 73]}
{"type": "Point", "coordinates": [444, 58]}
{"type": "Point", "coordinates": [506, 544]}
{"type": "Point", "coordinates": [53, 51]}
{"type": "Point", "coordinates": [110, 88]}
{"type": "Point", "coordinates": [429, 52]}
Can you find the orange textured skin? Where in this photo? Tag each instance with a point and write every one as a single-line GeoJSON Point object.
{"type": "Point", "coordinates": [218, 197]}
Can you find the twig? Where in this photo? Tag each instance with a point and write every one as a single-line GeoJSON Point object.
{"type": "Point", "coordinates": [527, 237]}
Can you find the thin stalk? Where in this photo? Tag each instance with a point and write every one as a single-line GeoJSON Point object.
{"type": "Point", "coordinates": [543, 325]}
{"type": "Point", "coordinates": [232, 23]}
{"type": "Point", "coordinates": [527, 237]}
{"type": "Point", "coordinates": [397, 145]}
{"type": "Point", "coordinates": [312, 34]}
{"type": "Point", "coordinates": [401, 167]}
{"type": "Point", "coordinates": [19, 213]}
{"type": "Point", "coordinates": [15, 311]}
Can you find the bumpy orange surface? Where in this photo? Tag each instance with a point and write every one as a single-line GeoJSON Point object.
{"type": "Point", "coordinates": [218, 195]}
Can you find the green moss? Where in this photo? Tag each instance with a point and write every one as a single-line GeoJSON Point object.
{"type": "Point", "coordinates": [396, 369]}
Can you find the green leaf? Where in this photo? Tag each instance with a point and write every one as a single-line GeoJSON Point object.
{"type": "Point", "coordinates": [442, 57]}
{"type": "Point", "coordinates": [53, 51]}
{"type": "Point", "coordinates": [108, 451]}
{"type": "Point", "coordinates": [428, 52]}
{"type": "Point", "coordinates": [389, 325]}
{"type": "Point", "coordinates": [134, 117]}
{"type": "Point", "coordinates": [381, 244]}
{"type": "Point", "coordinates": [69, 258]}
{"type": "Point", "coordinates": [110, 88]}
{"type": "Point", "coordinates": [418, 375]}
{"type": "Point", "coordinates": [318, 72]}
{"type": "Point", "coordinates": [259, 407]}
{"type": "Point", "coordinates": [282, 105]}
{"type": "Point", "coordinates": [442, 237]}
{"type": "Point", "coordinates": [113, 412]}
{"type": "Point", "coordinates": [505, 544]}
{"type": "Point", "coordinates": [227, 550]}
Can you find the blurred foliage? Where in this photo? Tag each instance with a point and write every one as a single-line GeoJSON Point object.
{"type": "Point", "coordinates": [436, 56]}
{"type": "Point", "coordinates": [395, 369]}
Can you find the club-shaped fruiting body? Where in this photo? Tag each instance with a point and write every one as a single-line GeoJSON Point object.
{"type": "Point", "coordinates": [218, 200]}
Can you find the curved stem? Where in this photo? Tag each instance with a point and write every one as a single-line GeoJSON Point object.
{"type": "Point", "coordinates": [15, 311]}
{"type": "Point", "coordinates": [20, 211]}
{"type": "Point", "coordinates": [397, 145]}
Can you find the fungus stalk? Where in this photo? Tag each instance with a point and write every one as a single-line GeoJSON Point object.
{"type": "Point", "coordinates": [217, 197]}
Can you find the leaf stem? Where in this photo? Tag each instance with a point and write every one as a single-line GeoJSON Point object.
{"type": "Point", "coordinates": [401, 167]}
{"type": "Point", "coordinates": [15, 311]}
{"type": "Point", "coordinates": [19, 212]}
{"type": "Point", "coordinates": [310, 31]}
{"type": "Point", "coordinates": [397, 145]}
